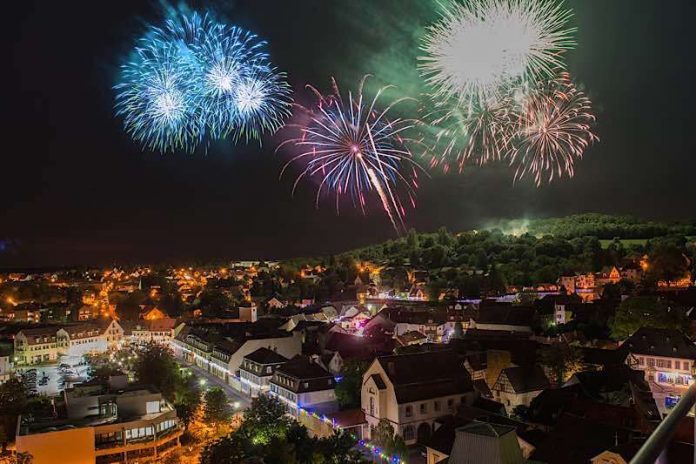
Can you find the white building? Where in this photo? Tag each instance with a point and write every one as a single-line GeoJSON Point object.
{"type": "Point", "coordinates": [518, 386]}
{"type": "Point", "coordinates": [303, 385]}
{"type": "Point", "coordinates": [222, 354]}
{"type": "Point", "coordinates": [411, 391]}
{"type": "Point", "coordinates": [667, 358]}
{"type": "Point", "coordinates": [81, 339]}
{"type": "Point", "coordinates": [36, 346]}
{"type": "Point", "coordinates": [257, 369]}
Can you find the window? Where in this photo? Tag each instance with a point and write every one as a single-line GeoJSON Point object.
{"type": "Point", "coordinates": [685, 365]}
{"type": "Point", "coordinates": [669, 364]}
{"type": "Point", "coordinates": [409, 433]}
{"type": "Point", "coordinates": [651, 362]}
{"type": "Point", "coordinates": [409, 411]}
{"type": "Point", "coordinates": [423, 408]}
{"type": "Point", "coordinates": [660, 363]}
{"type": "Point", "coordinates": [677, 365]}
{"type": "Point", "coordinates": [437, 405]}
{"type": "Point", "coordinates": [641, 361]}
{"type": "Point", "coordinates": [152, 407]}
{"type": "Point", "coordinates": [268, 370]}
{"type": "Point", "coordinates": [372, 405]}
{"type": "Point", "coordinates": [450, 403]}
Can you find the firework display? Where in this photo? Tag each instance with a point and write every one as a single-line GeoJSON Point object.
{"type": "Point", "coordinates": [195, 80]}
{"type": "Point", "coordinates": [355, 150]}
{"type": "Point", "coordinates": [555, 128]}
{"type": "Point", "coordinates": [481, 47]}
{"type": "Point", "coordinates": [498, 89]}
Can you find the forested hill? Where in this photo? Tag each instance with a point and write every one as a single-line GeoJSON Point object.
{"type": "Point", "coordinates": [602, 226]}
{"type": "Point", "coordinates": [520, 252]}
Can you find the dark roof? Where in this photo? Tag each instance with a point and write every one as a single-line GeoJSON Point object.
{"type": "Point", "coordinates": [426, 375]}
{"type": "Point", "coordinates": [378, 381]}
{"type": "Point", "coordinates": [486, 429]}
{"type": "Point", "coordinates": [354, 347]}
{"type": "Point", "coordinates": [482, 388]}
{"type": "Point", "coordinates": [668, 343]}
{"type": "Point", "coordinates": [596, 384]}
{"type": "Point", "coordinates": [348, 418]}
{"type": "Point", "coordinates": [548, 406]}
{"type": "Point", "coordinates": [601, 357]}
{"type": "Point", "coordinates": [443, 437]}
{"type": "Point", "coordinates": [526, 379]}
{"type": "Point", "coordinates": [304, 376]}
{"type": "Point", "coordinates": [502, 315]}
{"type": "Point", "coordinates": [576, 441]}
{"type": "Point", "coordinates": [523, 351]}
{"type": "Point", "coordinates": [265, 356]}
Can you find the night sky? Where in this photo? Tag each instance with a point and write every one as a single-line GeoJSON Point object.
{"type": "Point", "coordinates": [75, 189]}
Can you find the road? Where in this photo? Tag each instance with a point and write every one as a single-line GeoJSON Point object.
{"type": "Point", "coordinates": [211, 380]}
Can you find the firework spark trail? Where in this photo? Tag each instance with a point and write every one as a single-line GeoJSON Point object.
{"type": "Point", "coordinates": [479, 137]}
{"type": "Point", "coordinates": [555, 129]}
{"type": "Point", "coordinates": [480, 48]}
{"type": "Point", "coordinates": [355, 149]}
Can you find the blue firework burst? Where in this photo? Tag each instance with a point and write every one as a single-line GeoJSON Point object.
{"type": "Point", "coordinates": [226, 85]}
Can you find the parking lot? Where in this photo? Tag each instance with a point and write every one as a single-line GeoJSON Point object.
{"type": "Point", "coordinates": [51, 379]}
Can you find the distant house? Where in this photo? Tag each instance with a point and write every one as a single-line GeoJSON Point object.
{"type": "Point", "coordinates": [411, 391]}
{"type": "Point", "coordinates": [276, 303]}
{"type": "Point", "coordinates": [411, 338]}
{"type": "Point", "coordinates": [518, 386]}
{"type": "Point", "coordinates": [257, 369]}
{"type": "Point", "coordinates": [304, 385]}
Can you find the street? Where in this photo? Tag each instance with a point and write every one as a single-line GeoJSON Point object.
{"type": "Point", "coordinates": [210, 380]}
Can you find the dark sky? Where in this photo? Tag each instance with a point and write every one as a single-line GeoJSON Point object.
{"type": "Point", "coordinates": [75, 190]}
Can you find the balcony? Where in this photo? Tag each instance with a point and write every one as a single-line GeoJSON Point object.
{"type": "Point", "coordinates": [143, 443]}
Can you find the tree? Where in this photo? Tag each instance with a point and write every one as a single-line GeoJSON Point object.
{"type": "Point", "coordinates": [187, 399]}
{"type": "Point", "coordinates": [349, 387]}
{"type": "Point", "coordinates": [266, 417]}
{"type": "Point", "coordinates": [667, 262]}
{"type": "Point", "coordinates": [216, 410]}
{"type": "Point", "coordinates": [267, 436]}
{"type": "Point", "coordinates": [562, 360]}
{"type": "Point", "coordinates": [156, 366]}
{"type": "Point", "coordinates": [214, 301]}
{"type": "Point", "coordinates": [383, 436]}
{"type": "Point", "coordinates": [13, 401]}
{"type": "Point", "coordinates": [645, 311]}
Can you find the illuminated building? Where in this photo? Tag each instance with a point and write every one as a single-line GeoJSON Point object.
{"type": "Point", "coordinates": [127, 424]}
{"type": "Point", "coordinates": [412, 391]}
{"type": "Point", "coordinates": [667, 358]}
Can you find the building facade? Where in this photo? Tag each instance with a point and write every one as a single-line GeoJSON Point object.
{"type": "Point", "coordinates": [412, 391]}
